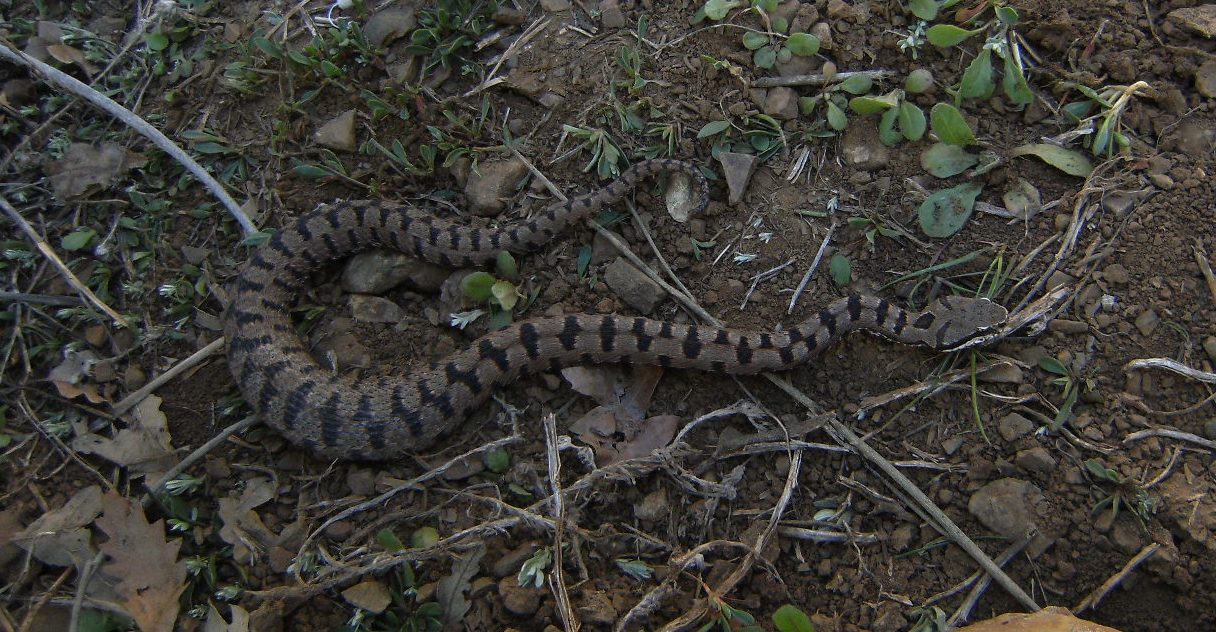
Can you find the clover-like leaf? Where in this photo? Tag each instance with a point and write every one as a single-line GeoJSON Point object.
{"type": "Point", "coordinates": [944, 161]}
{"type": "Point", "coordinates": [946, 212]}
{"type": "Point", "coordinates": [1071, 162]}
{"type": "Point", "coordinates": [803, 44]}
{"type": "Point", "coordinates": [950, 126]}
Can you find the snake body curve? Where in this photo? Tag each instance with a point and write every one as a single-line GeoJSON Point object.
{"type": "Point", "coordinates": [380, 417]}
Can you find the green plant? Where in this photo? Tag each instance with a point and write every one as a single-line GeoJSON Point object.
{"type": "Point", "coordinates": [761, 135]}
{"type": "Point", "coordinates": [404, 613]}
{"type": "Point", "coordinates": [630, 60]}
{"type": "Point", "coordinates": [1103, 129]}
{"type": "Point", "coordinates": [790, 618]}
{"type": "Point", "coordinates": [500, 294]}
{"type": "Point", "coordinates": [979, 79]}
{"type": "Point", "coordinates": [770, 45]}
{"type": "Point", "coordinates": [532, 572]}
{"type": "Point", "coordinates": [447, 32]}
{"type": "Point", "coordinates": [606, 154]}
{"type": "Point", "coordinates": [727, 618]}
{"type": "Point", "coordinates": [1127, 492]}
{"type": "Point", "coordinates": [1071, 386]}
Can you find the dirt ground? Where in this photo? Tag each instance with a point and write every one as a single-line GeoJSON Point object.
{"type": "Point", "coordinates": [669, 536]}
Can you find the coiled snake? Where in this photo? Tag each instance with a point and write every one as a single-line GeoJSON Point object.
{"type": "Point", "coordinates": [379, 417]}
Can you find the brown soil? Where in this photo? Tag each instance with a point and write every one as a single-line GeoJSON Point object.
{"type": "Point", "coordinates": [1142, 259]}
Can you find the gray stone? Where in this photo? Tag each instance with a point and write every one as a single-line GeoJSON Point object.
{"type": "Point", "coordinates": [518, 600]}
{"type": "Point", "coordinates": [1036, 459]}
{"type": "Point", "coordinates": [361, 481]}
{"type": "Point", "coordinates": [1200, 19]}
{"type": "Point", "coordinates": [1003, 374]}
{"type": "Point", "coordinates": [951, 445]}
{"type": "Point", "coordinates": [1205, 79]}
{"type": "Point", "coordinates": [509, 563]}
{"type": "Point", "coordinates": [1209, 429]}
{"type": "Point", "coordinates": [1115, 273]}
{"type": "Point", "coordinates": [1147, 321]}
{"type": "Point", "coordinates": [491, 183]}
{"type": "Point", "coordinates": [390, 24]}
{"type": "Point", "coordinates": [634, 287]}
{"type": "Point", "coordinates": [1068, 327]}
{"type": "Point", "coordinates": [1014, 426]}
{"type": "Point", "coordinates": [611, 16]}
{"type": "Point", "coordinates": [738, 169]}
{"type": "Point", "coordinates": [781, 103]}
{"type": "Point", "coordinates": [374, 309]}
{"type": "Point", "coordinates": [861, 148]}
{"type": "Point", "coordinates": [378, 271]}
{"type": "Point", "coordinates": [338, 133]}
{"type": "Point", "coordinates": [1009, 506]}
{"type": "Point", "coordinates": [653, 507]}
{"type": "Point", "coordinates": [1209, 347]}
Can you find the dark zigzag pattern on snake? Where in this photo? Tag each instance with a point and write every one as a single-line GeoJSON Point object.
{"type": "Point", "coordinates": [380, 417]}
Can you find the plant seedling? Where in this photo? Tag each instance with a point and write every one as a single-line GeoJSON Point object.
{"type": "Point", "coordinates": [1103, 129]}
{"type": "Point", "coordinates": [979, 79]}
{"type": "Point", "coordinates": [1071, 385]}
{"type": "Point", "coordinates": [1127, 492]}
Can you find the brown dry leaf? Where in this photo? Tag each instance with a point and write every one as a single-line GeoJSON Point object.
{"type": "Point", "coordinates": [71, 376]}
{"type": "Point", "coordinates": [85, 168]}
{"type": "Point", "coordinates": [243, 527]}
{"type": "Point", "coordinates": [1049, 619]}
{"type": "Point", "coordinates": [144, 446]}
{"type": "Point", "coordinates": [622, 412]}
{"type": "Point", "coordinates": [147, 575]}
{"type": "Point", "coordinates": [65, 54]}
{"type": "Point", "coordinates": [60, 537]}
{"type": "Point", "coordinates": [216, 623]}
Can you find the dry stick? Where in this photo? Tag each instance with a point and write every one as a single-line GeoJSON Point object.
{"type": "Point", "coordinates": [37, 299]}
{"type": "Point", "coordinates": [816, 79]}
{"type": "Point", "coordinates": [963, 612]}
{"type": "Point", "coordinates": [557, 580]}
{"type": "Point", "coordinates": [806, 278]}
{"type": "Point", "coordinates": [196, 456]}
{"type": "Point", "coordinates": [107, 105]}
{"type": "Point", "coordinates": [1095, 598]}
{"type": "Point", "coordinates": [828, 537]}
{"type": "Point", "coordinates": [839, 431]}
{"type": "Point", "coordinates": [1170, 434]}
{"type": "Point", "coordinates": [195, 358]}
{"type": "Point", "coordinates": [1201, 257]}
{"type": "Point", "coordinates": [50, 255]}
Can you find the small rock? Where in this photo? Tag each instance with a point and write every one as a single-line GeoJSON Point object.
{"type": "Point", "coordinates": [1126, 536]}
{"type": "Point", "coordinates": [1036, 459]}
{"type": "Point", "coordinates": [1200, 19]}
{"type": "Point", "coordinates": [508, 16]}
{"type": "Point", "coordinates": [862, 149]}
{"type": "Point", "coordinates": [840, 10]}
{"type": "Point", "coordinates": [823, 31]}
{"type": "Point", "coordinates": [951, 445]}
{"type": "Point", "coordinates": [379, 270]}
{"type": "Point", "coordinates": [555, 5]}
{"type": "Point", "coordinates": [611, 16]}
{"type": "Point", "coordinates": [511, 561]}
{"type": "Point", "coordinates": [635, 288]}
{"type": "Point", "coordinates": [1062, 221]}
{"type": "Point", "coordinates": [1014, 426]}
{"type": "Point", "coordinates": [1007, 506]}
{"type": "Point", "coordinates": [602, 249]}
{"type": "Point", "coordinates": [1068, 327]}
{"type": "Point", "coordinates": [95, 335]}
{"type": "Point", "coordinates": [595, 608]}
{"type": "Point", "coordinates": [1162, 181]}
{"type": "Point", "coordinates": [1209, 347]}
{"type": "Point", "coordinates": [374, 309]}
{"type": "Point", "coordinates": [338, 133]}
{"type": "Point", "coordinates": [194, 255]}
{"type": "Point", "coordinates": [490, 185]}
{"type": "Point", "coordinates": [1003, 374]}
{"type": "Point", "coordinates": [134, 377]}
{"type": "Point", "coordinates": [1209, 429]}
{"type": "Point", "coordinates": [1147, 321]}
{"type": "Point", "coordinates": [344, 351]}
{"type": "Point", "coordinates": [902, 537]}
{"type": "Point", "coordinates": [516, 599]}
{"type": "Point", "coordinates": [738, 169]}
{"type": "Point", "coordinates": [361, 481]}
{"type": "Point", "coordinates": [280, 559]}
{"type": "Point", "coordinates": [390, 24]}
{"type": "Point", "coordinates": [781, 103]}
{"type": "Point", "coordinates": [1115, 274]}
{"type": "Point", "coordinates": [653, 507]}
{"type": "Point", "coordinates": [1205, 79]}
{"type": "Point", "coordinates": [369, 595]}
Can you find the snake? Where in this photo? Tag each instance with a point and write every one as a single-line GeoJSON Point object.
{"type": "Point", "coordinates": [377, 417]}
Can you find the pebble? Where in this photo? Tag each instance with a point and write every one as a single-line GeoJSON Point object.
{"type": "Point", "coordinates": [1205, 79]}
{"type": "Point", "coordinates": [516, 599]}
{"type": "Point", "coordinates": [339, 530]}
{"type": "Point", "coordinates": [379, 270]}
{"type": "Point", "coordinates": [610, 14]}
{"type": "Point", "coordinates": [653, 507]}
{"type": "Point", "coordinates": [374, 309]}
{"type": "Point", "coordinates": [1003, 374]}
{"type": "Point", "coordinates": [511, 561]}
{"type": "Point", "coordinates": [1063, 221]}
{"type": "Point", "coordinates": [738, 169]}
{"type": "Point", "coordinates": [1014, 426]}
{"type": "Point", "coordinates": [361, 481]}
{"type": "Point", "coordinates": [1036, 459]}
{"type": "Point", "coordinates": [1006, 506]}
{"type": "Point", "coordinates": [951, 445]}
{"type": "Point", "coordinates": [1147, 321]}
{"type": "Point", "coordinates": [1209, 347]}
{"type": "Point", "coordinates": [1209, 429]}
{"type": "Point", "coordinates": [369, 595]}
{"type": "Point", "coordinates": [1162, 181]}
{"type": "Point", "coordinates": [338, 133]}
{"type": "Point", "coordinates": [1115, 273]}
{"type": "Point", "coordinates": [1069, 327]}
{"type": "Point", "coordinates": [95, 335]}
{"type": "Point", "coordinates": [781, 103]}
{"type": "Point", "coordinates": [862, 149]}
{"type": "Point", "coordinates": [633, 287]}
{"type": "Point", "coordinates": [489, 186]}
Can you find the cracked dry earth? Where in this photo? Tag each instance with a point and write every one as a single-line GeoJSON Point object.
{"type": "Point", "coordinates": [1141, 231]}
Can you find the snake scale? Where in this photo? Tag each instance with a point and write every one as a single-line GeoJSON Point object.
{"type": "Point", "coordinates": [379, 417]}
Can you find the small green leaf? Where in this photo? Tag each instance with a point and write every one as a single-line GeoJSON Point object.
{"type": "Point", "coordinates": [636, 569]}
{"type": "Point", "coordinates": [911, 121]}
{"type": "Point", "coordinates": [424, 537]}
{"type": "Point", "coordinates": [506, 294]}
{"type": "Point", "coordinates": [841, 270]}
{"type": "Point", "coordinates": [944, 35]}
{"type": "Point", "coordinates": [1052, 365]}
{"type": "Point", "coordinates": [765, 58]}
{"type": "Point", "coordinates": [330, 69]}
{"type": "Point", "coordinates": [781, 24]}
{"type": "Point", "coordinates": [505, 265]}
{"type": "Point", "coordinates": [944, 161]}
{"type": "Point", "coordinates": [713, 128]}
{"type": "Point", "coordinates": [837, 119]}
{"type": "Point", "coordinates": [789, 618]}
{"type": "Point", "coordinates": [978, 81]}
{"type": "Point", "coordinates": [919, 81]}
{"type": "Point", "coordinates": [1014, 83]}
{"type": "Point", "coordinates": [803, 44]}
{"type": "Point", "coordinates": [857, 84]}
{"type": "Point", "coordinates": [78, 240]}
{"type": "Point", "coordinates": [945, 212]}
{"type": "Point", "coordinates": [497, 460]}
{"type": "Point", "coordinates": [389, 541]}
{"type": "Point", "coordinates": [784, 55]}
{"type": "Point", "coordinates": [753, 40]}
{"type": "Point", "coordinates": [1071, 162]}
{"type": "Point", "coordinates": [887, 133]}
{"type": "Point", "coordinates": [1007, 15]}
{"type": "Point", "coordinates": [584, 261]}
{"type": "Point", "coordinates": [477, 286]}
{"type": "Point", "coordinates": [717, 9]}
{"type": "Point", "coordinates": [869, 105]}
{"type": "Point", "coordinates": [305, 170]}
{"type": "Point", "coordinates": [257, 239]}
{"type": "Point", "coordinates": [950, 126]}
{"type": "Point", "coordinates": [924, 9]}
{"type": "Point", "coordinates": [156, 41]}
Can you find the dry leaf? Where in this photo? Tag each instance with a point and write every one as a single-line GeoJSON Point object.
{"type": "Point", "coordinates": [369, 595]}
{"type": "Point", "coordinates": [71, 376]}
{"type": "Point", "coordinates": [216, 623]}
{"type": "Point", "coordinates": [144, 447]}
{"type": "Point", "coordinates": [1049, 619]}
{"type": "Point", "coordinates": [146, 573]}
{"type": "Point", "coordinates": [243, 527]}
{"type": "Point", "coordinates": [60, 537]}
{"type": "Point", "coordinates": [85, 168]}
{"type": "Point", "coordinates": [69, 55]}
{"type": "Point", "coordinates": [450, 591]}
{"type": "Point", "coordinates": [622, 414]}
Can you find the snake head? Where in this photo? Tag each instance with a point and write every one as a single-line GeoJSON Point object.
{"type": "Point", "coordinates": [958, 319]}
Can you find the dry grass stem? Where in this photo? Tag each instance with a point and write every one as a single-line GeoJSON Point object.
{"type": "Point", "coordinates": [1094, 599]}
